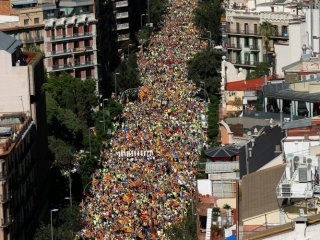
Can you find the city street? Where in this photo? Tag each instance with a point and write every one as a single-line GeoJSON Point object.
{"type": "Point", "coordinates": [148, 174]}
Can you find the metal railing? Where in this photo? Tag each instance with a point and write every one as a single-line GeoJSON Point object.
{"type": "Point", "coordinates": [220, 167]}
{"type": "Point", "coordinates": [32, 39]}
{"type": "Point", "coordinates": [121, 4]}
{"type": "Point", "coordinates": [75, 35]}
{"type": "Point", "coordinates": [242, 32]}
{"type": "Point", "coordinates": [122, 15]}
{"type": "Point", "coordinates": [234, 45]}
{"type": "Point", "coordinates": [123, 37]}
{"type": "Point", "coordinates": [4, 198]}
{"type": "Point", "coordinates": [71, 66]}
{"type": "Point", "coordinates": [122, 26]}
{"type": "Point", "coordinates": [244, 62]}
{"type": "Point", "coordinates": [71, 50]}
{"type": "Point", "coordinates": [6, 221]}
{"type": "Point", "coordinates": [254, 47]}
{"type": "Point", "coordinates": [3, 175]}
{"type": "Point", "coordinates": [84, 64]}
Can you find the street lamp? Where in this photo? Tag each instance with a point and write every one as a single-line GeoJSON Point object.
{"type": "Point", "coordinates": [142, 15]}
{"type": "Point", "coordinates": [210, 38]}
{"type": "Point", "coordinates": [51, 211]}
{"type": "Point", "coordinates": [129, 45]}
{"type": "Point", "coordinates": [104, 118]}
{"type": "Point", "coordinates": [115, 84]}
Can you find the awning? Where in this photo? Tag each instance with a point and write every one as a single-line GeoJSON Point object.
{"type": "Point", "coordinates": [23, 3]}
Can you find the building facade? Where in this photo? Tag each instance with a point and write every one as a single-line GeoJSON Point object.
{"type": "Point", "coordinates": [23, 140]}
{"type": "Point", "coordinates": [70, 39]}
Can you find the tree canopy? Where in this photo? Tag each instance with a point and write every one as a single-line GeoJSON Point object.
{"type": "Point", "coordinates": [203, 67]}
{"type": "Point", "coordinates": [207, 17]}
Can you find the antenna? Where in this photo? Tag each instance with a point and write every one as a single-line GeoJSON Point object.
{"type": "Point", "coordinates": [21, 103]}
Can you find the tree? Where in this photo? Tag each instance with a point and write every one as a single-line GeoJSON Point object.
{"type": "Point", "coordinates": [261, 70]}
{"type": "Point", "coordinates": [207, 17]}
{"type": "Point", "coordinates": [213, 118]}
{"type": "Point", "coordinates": [157, 9]}
{"type": "Point", "coordinates": [238, 103]}
{"type": "Point", "coordinates": [129, 74]}
{"type": "Point", "coordinates": [203, 67]}
{"type": "Point", "coordinates": [184, 230]}
{"type": "Point", "coordinates": [266, 30]}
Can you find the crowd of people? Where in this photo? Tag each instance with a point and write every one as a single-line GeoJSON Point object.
{"type": "Point", "coordinates": [148, 175]}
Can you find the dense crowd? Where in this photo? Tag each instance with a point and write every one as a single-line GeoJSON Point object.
{"type": "Point", "coordinates": [138, 195]}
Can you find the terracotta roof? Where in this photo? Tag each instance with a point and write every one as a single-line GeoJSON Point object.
{"type": "Point", "coordinates": [259, 191]}
{"type": "Point", "coordinates": [246, 85]}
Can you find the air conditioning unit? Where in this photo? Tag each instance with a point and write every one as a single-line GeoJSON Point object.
{"type": "Point", "coordinates": [286, 190]}
{"type": "Point", "coordinates": [296, 160]}
{"type": "Point", "coordinates": [303, 173]}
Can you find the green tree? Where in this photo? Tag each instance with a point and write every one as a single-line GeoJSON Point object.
{"type": "Point", "coordinates": [203, 67]}
{"type": "Point", "coordinates": [213, 118]}
{"type": "Point", "coordinates": [207, 17]}
{"type": "Point", "coordinates": [266, 30]}
{"type": "Point", "coordinates": [261, 70]}
{"type": "Point", "coordinates": [129, 74]}
{"type": "Point", "coordinates": [184, 230]}
{"type": "Point", "coordinates": [157, 9]}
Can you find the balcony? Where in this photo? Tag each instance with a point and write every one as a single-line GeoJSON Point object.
{"type": "Point", "coordinates": [71, 37]}
{"type": "Point", "coordinates": [122, 15]}
{"type": "Point", "coordinates": [277, 35]}
{"type": "Point", "coordinates": [6, 222]}
{"type": "Point", "coordinates": [292, 188]}
{"type": "Point", "coordinates": [121, 4]}
{"type": "Point", "coordinates": [69, 51]}
{"type": "Point", "coordinates": [123, 37]}
{"type": "Point", "coordinates": [33, 40]}
{"type": "Point", "coordinates": [3, 175]}
{"type": "Point", "coordinates": [254, 48]}
{"type": "Point", "coordinates": [239, 32]}
{"type": "Point", "coordinates": [4, 198]}
{"type": "Point", "coordinates": [221, 167]}
{"type": "Point", "coordinates": [224, 176]}
{"type": "Point", "coordinates": [122, 26]}
{"type": "Point", "coordinates": [244, 63]}
{"type": "Point", "coordinates": [85, 64]}
{"type": "Point", "coordinates": [64, 67]}
{"type": "Point", "coordinates": [234, 46]}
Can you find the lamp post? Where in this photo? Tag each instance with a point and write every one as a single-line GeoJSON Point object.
{"type": "Point", "coordinates": [51, 211]}
{"type": "Point", "coordinates": [129, 45]}
{"type": "Point", "coordinates": [103, 113]}
{"type": "Point", "coordinates": [210, 37]}
{"type": "Point", "coordinates": [115, 84]}
{"type": "Point", "coordinates": [142, 15]}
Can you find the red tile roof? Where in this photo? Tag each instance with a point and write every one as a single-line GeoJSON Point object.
{"type": "Point", "coordinates": [246, 85]}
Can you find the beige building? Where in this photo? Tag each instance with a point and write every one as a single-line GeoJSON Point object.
{"type": "Point", "coordinates": [24, 23]}
{"type": "Point", "coordinates": [23, 140]}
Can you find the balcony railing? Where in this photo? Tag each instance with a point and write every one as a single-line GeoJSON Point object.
{"type": "Point", "coordinates": [244, 62]}
{"type": "Point", "coordinates": [70, 51]}
{"type": "Point", "coordinates": [220, 167]}
{"type": "Point", "coordinates": [85, 64]}
{"type": "Point", "coordinates": [121, 4]}
{"type": "Point", "coordinates": [123, 37]}
{"type": "Point", "coordinates": [3, 175]}
{"type": "Point", "coordinates": [6, 221]}
{"type": "Point", "coordinates": [242, 32]}
{"type": "Point", "coordinates": [284, 35]}
{"type": "Point", "coordinates": [234, 46]}
{"type": "Point", "coordinates": [122, 15]}
{"type": "Point", "coordinates": [32, 40]}
{"type": "Point", "coordinates": [73, 36]}
{"type": "Point", "coordinates": [254, 48]}
{"type": "Point", "coordinates": [72, 66]}
{"type": "Point", "coordinates": [4, 198]}
{"type": "Point", "coordinates": [122, 26]}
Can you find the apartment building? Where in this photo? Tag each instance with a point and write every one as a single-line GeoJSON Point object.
{"type": "Point", "coordinates": [23, 140]}
{"type": "Point", "coordinates": [242, 36]}
{"type": "Point", "coordinates": [70, 39]}
{"type": "Point", "coordinates": [24, 21]}
{"type": "Point", "coordinates": [122, 21]}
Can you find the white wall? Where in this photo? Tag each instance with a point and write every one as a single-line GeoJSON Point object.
{"type": "Point", "coordinates": [204, 186]}
{"type": "Point", "coordinates": [14, 86]}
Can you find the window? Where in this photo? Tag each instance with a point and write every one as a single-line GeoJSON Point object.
{"type": "Point", "coordinates": [255, 26]}
{"type": "Point", "coordinates": [238, 27]}
{"type": "Point", "coordinates": [246, 42]}
{"type": "Point", "coordinates": [246, 28]}
{"type": "Point", "coordinates": [26, 21]}
{"type": "Point", "coordinates": [247, 58]}
{"type": "Point", "coordinates": [36, 20]}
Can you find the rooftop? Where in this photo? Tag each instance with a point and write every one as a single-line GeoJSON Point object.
{"type": "Point", "coordinates": [12, 126]}
{"type": "Point", "coordinates": [246, 85]}
{"type": "Point", "coordinates": [222, 151]}
{"type": "Point", "coordinates": [8, 43]}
